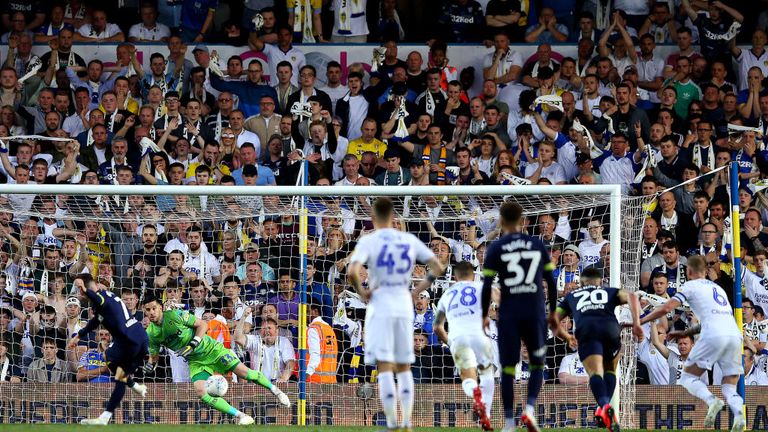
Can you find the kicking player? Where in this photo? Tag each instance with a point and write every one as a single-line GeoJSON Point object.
{"type": "Point", "coordinates": [470, 347]}
{"type": "Point", "coordinates": [390, 255]}
{"type": "Point", "coordinates": [181, 332]}
{"type": "Point", "coordinates": [598, 335]}
{"type": "Point", "coordinates": [720, 341]}
{"type": "Point", "coordinates": [129, 346]}
{"type": "Point", "coordinates": [521, 261]}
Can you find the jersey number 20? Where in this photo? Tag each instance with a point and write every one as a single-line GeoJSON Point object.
{"type": "Point", "coordinates": [386, 259]}
{"type": "Point", "coordinates": [593, 297]}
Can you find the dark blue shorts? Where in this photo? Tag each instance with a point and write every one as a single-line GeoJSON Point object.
{"type": "Point", "coordinates": [128, 356]}
{"type": "Point", "coordinates": [599, 338]}
{"type": "Point", "coordinates": [531, 332]}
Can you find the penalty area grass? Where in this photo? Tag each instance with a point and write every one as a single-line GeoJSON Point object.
{"type": "Point", "coordinates": [39, 427]}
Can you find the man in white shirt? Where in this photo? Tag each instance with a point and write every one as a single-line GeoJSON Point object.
{"type": "Point", "coordinates": [503, 66]}
{"type": "Point", "coordinates": [333, 85]}
{"type": "Point", "coordinates": [589, 249]}
{"type": "Point", "coordinates": [572, 371]}
{"type": "Point", "coordinates": [648, 355]}
{"type": "Point", "coordinates": [271, 354]}
{"type": "Point", "coordinates": [283, 51]}
{"type": "Point", "coordinates": [650, 68]}
{"type": "Point", "coordinates": [390, 256]}
{"type": "Point", "coordinates": [99, 30]}
{"type": "Point", "coordinates": [719, 344]}
{"type": "Point", "coordinates": [757, 282]}
{"type": "Point", "coordinates": [545, 166]}
{"type": "Point", "coordinates": [149, 30]}
{"type": "Point", "coordinates": [242, 136]}
{"type": "Point", "coordinates": [618, 166]}
{"type": "Point", "coordinates": [199, 260]}
{"type": "Point", "coordinates": [351, 166]}
{"type": "Point", "coordinates": [757, 56]}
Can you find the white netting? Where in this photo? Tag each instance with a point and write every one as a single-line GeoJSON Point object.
{"type": "Point", "coordinates": [49, 238]}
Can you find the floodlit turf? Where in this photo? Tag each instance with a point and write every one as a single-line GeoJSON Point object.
{"type": "Point", "coordinates": [233, 428]}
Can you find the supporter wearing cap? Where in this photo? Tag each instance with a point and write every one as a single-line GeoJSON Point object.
{"type": "Point", "coordinates": [252, 254]}
{"type": "Point", "coordinates": [424, 316]}
{"type": "Point", "coordinates": [567, 275]}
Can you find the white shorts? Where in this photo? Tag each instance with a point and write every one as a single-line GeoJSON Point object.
{"type": "Point", "coordinates": [470, 351]}
{"type": "Point", "coordinates": [388, 339]}
{"type": "Point", "coordinates": [725, 351]}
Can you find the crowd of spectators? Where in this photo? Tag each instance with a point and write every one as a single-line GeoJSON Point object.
{"type": "Point", "coordinates": [627, 116]}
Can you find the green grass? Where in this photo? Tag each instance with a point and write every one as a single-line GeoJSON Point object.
{"type": "Point", "coordinates": [233, 428]}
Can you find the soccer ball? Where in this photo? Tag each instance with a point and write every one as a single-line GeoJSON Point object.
{"type": "Point", "coordinates": [216, 385]}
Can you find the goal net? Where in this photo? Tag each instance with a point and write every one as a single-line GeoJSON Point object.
{"type": "Point", "coordinates": [221, 254]}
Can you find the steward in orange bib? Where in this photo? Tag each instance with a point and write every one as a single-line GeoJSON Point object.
{"type": "Point", "coordinates": [322, 348]}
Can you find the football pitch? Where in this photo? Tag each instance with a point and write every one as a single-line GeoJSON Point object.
{"type": "Point", "coordinates": [234, 428]}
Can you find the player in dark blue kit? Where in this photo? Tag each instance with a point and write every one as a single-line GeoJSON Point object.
{"type": "Point", "coordinates": [521, 262]}
{"type": "Point", "coordinates": [129, 347]}
{"type": "Point", "coordinates": [598, 335]}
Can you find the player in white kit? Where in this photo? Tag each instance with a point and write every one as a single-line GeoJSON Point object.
{"type": "Point", "coordinates": [471, 348]}
{"type": "Point", "coordinates": [720, 342]}
{"type": "Point", "coordinates": [389, 256]}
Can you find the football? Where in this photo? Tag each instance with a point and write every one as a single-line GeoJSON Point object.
{"type": "Point", "coordinates": [216, 385]}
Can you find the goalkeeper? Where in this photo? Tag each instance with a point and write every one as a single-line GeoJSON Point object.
{"type": "Point", "coordinates": [179, 331]}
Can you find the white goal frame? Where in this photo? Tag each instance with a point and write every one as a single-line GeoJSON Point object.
{"type": "Point", "coordinates": [612, 191]}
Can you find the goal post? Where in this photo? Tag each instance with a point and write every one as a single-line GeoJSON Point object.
{"type": "Point", "coordinates": [297, 217]}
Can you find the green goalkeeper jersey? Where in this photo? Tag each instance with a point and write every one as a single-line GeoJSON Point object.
{"type": "Point", "coordinates": [175, 333]}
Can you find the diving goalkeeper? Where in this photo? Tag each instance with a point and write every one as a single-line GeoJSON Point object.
{"type": "Point", "coordinates": [180, 332]}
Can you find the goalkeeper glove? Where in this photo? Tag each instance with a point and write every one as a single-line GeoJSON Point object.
{"type": "Point", "coordinates": [149, 367]}
{"type": "Point", "coordinates": [187, 350]}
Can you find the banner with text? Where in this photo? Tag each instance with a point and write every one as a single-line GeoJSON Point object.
{"type": "Point", "coordinates": [656, 407]}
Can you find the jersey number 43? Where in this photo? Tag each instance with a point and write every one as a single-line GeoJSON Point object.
{"type": "Point", "coordinates": [395, 261]}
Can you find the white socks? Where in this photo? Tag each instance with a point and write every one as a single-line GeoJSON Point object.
{"type": "Point", "coordinates": [487, 387]}
{"type": "Point", "coordinates": [389, 397]}
{"type": "Point", "coordinates": [106, 415]}
{"type": "Point", "coordinates": [732, 397]}
{"type": "Point", "coordinates": [405, 390]}
{"type": "Point", "coordinates": [469, 385]}
{"type": "Point", "coordinates": [695, 387]}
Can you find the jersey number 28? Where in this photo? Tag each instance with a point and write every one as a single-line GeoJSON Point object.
{"type": "Point", "coordinates": [386, 259]}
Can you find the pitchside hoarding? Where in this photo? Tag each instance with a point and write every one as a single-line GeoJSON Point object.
{"type": "Point", "coordinates": [656, 407]}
